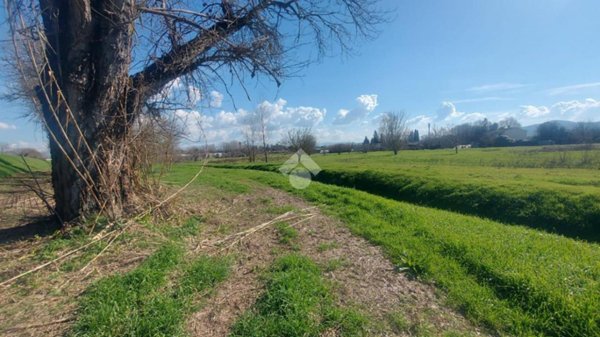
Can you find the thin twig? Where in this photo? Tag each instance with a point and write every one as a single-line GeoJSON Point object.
{"type": "Point", "coordinates": [25, 327]}
{"type": "Point", "coordinates": [67, 254]}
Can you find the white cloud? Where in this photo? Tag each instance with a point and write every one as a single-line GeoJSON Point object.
{"type": "Point", "coordinates": [368, 102]}
{"type": "Point", "coordinates": [472, 117]}
{"type": "Point", "coordinates": [533, 111]}
{"type": "Point", "coordinates": [584, 110]}
{"type": "Point", "coordinates": [496, 87]}
{"type": "Point", "coordinates": [421, 123]}
{"type": "Point", "coordinates": [281, 116]}
{"type": "Point", "coordinates": [40, 146]}
{"type": "Point", "coordinates": [447, 111]}
{"type": "Point", "coordinates": [216, 99]}
{"type": "Point", "coordinates": [366, 105]}
{"type": "Point", "coordinates": [229, 125]}
{"type": "Point", "coordinates": [572, 88]}
{"type": "Point", "coordinates": [4, 126]}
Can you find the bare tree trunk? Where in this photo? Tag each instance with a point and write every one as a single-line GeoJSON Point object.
{"type": "Point", "coordinates": [265, 148]}
{"type": "Point", "coordinates": [86, 104]}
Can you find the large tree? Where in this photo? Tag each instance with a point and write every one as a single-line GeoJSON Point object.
{"type": "Point", "coordinates": [392, 130]}
{"type": "Point", "coordinates": [93, 68]}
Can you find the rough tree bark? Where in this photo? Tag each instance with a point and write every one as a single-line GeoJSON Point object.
{"type": "Point", "coordinates": [86, 101]}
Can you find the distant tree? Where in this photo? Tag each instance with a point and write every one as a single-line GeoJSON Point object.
{"type": "Point", "coordinates": [252, 134]}
{"type": "Point", "coordinates": [366, 144]}
{"type": "Point", "coordinates": [340, 148]}
{"type": "Point", "coordinates": [414, 137]}
{"type": "Point", "coordinates": [509, 123]}
{"type": "Point", "coordinates": [393, 130]}
{"type": "Point", "coordinates": [375, 140]}
{"type": "Point", "coordinates": [301, 139]}
{"type": "Point", "coordinates": [232, 148]}
{"type": "Point", "coordinates": [262, 119]}
{"type": "Point", "coordinates": [29, 152]}
{"type": "Point", "coordinates": [194, 152]}
{"type": "Point", "coordinates": [552, 132]}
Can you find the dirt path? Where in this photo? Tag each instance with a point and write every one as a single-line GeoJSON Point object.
{"type": "Point", "coordinates": [363, 277]}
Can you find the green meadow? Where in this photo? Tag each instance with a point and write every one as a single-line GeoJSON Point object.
{"type": "Point", "coordinates": [556, 189]}
{"type": "Point", "coordinates": [10, 165]}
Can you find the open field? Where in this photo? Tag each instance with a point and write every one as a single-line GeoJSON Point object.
{"type": "Point", "coordinates": [508, 278]}
{"type": "Point", "coordinates": [246, 254]}
{"type": "Point", "coordinates": [232, 252]}
{"type": "Point", "coordinates": [10, 165]}
{"type": "Point", "coordinates": [552, 188]}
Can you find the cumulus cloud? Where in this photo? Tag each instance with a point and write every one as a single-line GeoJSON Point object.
{"type": "Point", "coordinates": [216, 99]}
{"type": "Point", "coordinates": [279, 115]}
{"type": "Point", "coordinates": [533, 111]}
{"type": "Point", "coordinates": [366, 105]}
{"type": "Point", "coordinates": [229, 125]}
{"type": "Point", "coordinates": [576, 110]}
{"type": "Point", "coordinates": [447, 111]}
{"type": "Point", "coordinates": [5, 126]}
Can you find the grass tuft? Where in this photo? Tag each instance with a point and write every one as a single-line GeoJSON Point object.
{"type": "Point", "coordinates": [297, 302]}
{"type": "Point", "coordinates": [142, 302]}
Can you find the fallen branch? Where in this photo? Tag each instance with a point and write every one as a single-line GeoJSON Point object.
{"type": "Point", "coordinates": [238, 237]}
{"type": "Point", "coordinates": [33, 326]}
{"type": "Point", "coordinates": [308, 217]}
{"type": "Point", "coordinates": [67, 254]}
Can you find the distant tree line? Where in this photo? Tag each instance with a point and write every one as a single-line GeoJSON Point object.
{"type": "Point", "coordinates": [509, 132]}
{"type": "Point", "coordinates": [393, 135]}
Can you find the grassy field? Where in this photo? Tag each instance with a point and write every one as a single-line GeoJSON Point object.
{"type": "Point", "coordinates": [10, 165]}
{"type": "Point", "coordinates": [510, 279]}
{"type": "Point", "coordinates": [506, 279]}
{"type": "Point", "coordinates": [552, 188]}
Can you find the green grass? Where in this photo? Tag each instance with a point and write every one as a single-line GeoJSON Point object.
{"type": "Point", "coordinates": [323, 247]}
{"type": "Point", "coordinates": [297, 302]}
{"type": "Point", "coordinates": [509, 278]}
{"type": "Point", "coordinates": [511, 185]}
{"type": "Point", "coordinates": [287, 234]}
{"type": "Point", "coordinates": [181, 173]}
{"type": "Point", "coordinates": [143, 302]}
{"type": "Point", "coordinates": [10, 165]}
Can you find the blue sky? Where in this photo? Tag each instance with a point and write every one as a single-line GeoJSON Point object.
{"type": "Point", "coordinates": [442, 62]}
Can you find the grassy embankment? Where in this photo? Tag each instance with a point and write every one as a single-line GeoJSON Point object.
{"type": "Point", "coordinates": [511, 279]}
{"type": "Point", "coordinates": [528, 186]}
{"type": "Point", "coordinates": [10, 165]}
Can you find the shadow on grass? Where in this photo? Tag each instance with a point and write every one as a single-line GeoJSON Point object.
{"type": "Point", "coordinates": [38, 226]}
